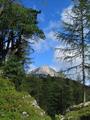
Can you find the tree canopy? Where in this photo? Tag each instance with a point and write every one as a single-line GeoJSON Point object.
{"type": "Point", "coordinates": [17, 25]}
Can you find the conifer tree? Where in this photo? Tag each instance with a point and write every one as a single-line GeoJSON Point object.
{"type": "Point", "coordinates": [17, 26]}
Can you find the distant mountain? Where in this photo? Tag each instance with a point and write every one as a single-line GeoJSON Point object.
{"type": "Point", "coordinates": [44, 70]}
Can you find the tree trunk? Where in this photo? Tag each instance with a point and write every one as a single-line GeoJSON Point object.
{"type": "Point", "coordinates": [83, 57]}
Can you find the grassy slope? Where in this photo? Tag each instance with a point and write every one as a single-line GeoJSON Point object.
{"type": "Point", "coordinates": [18, 106]}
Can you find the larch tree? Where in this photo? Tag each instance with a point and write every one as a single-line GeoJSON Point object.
{"type": "Point", "coordinates": [75, 36]}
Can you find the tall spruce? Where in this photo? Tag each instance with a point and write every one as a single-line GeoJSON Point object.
{"type": "Point", "coordinates": [76, 36]}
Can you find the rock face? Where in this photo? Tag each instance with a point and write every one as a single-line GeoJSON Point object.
{"type": "Point", "coordinates": [45, 70]}
{"type": "Point", "coordinates": [79, 106]}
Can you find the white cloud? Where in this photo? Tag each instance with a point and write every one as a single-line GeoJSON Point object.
{"type": "Point", "coordinates": [51, 35]}
{"type": "Point", "coordinates": [60, 55]}
{"type": "Point", "coordinates": [50, 42]}
{"type": "Point", "coordinates": [67, 15]}
{"type": "Point", "coordinates": [41, 46]}
{"type": "Point", "coordinates": [53, 25]}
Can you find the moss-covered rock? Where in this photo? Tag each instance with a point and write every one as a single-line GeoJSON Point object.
{"type": "Point", "coordinates": [81, 113]}
{"type": "Point", "coordinates": [18, 105]}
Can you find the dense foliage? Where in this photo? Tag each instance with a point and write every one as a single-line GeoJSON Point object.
{"type": "Point", "coordinates": [17, 25]}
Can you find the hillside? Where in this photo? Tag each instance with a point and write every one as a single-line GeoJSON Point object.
{"type": "Point", "coordinates": [18, 105]}
{"type": "Point", "coordinates": [54, 94]}
{"type": "Point", "coordinates": [21, 106]}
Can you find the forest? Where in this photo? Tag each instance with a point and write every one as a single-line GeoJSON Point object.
{"type": "Point", "coordinates": [62, 95]}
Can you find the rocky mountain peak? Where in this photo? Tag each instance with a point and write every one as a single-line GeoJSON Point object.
{"type": "Point", "coordinates": [44, 70]}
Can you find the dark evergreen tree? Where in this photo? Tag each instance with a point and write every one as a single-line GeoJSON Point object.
{"type": "Point", "coordinates": [17, 25]}
{"type": "Point", "coordinates": [14, 70]}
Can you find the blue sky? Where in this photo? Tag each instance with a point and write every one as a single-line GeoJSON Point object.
{"type": "Point", "coordinates": [49, 20]}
